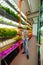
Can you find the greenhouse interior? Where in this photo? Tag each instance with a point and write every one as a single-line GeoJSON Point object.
{"type": "Point", "coordinates": [21, 32]}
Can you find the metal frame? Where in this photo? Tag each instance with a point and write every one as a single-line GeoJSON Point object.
{"type": "Point", "coordinates": [39, 28]}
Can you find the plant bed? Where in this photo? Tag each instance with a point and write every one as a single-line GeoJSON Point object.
{"type": "Point", "coordinates": [7, 32]}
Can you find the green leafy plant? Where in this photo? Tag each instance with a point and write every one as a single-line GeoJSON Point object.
{"type": "Point", "coordinates": [5, 6]}
{"type": "Point", "coordinates": [7, 32]}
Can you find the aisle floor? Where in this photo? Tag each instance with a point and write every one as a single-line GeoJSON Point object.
{"type": "Point", "coordinates": [21, 59]}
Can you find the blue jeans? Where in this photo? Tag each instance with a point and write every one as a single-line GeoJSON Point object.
{"type": "Point", "coordinates": [25, 45]}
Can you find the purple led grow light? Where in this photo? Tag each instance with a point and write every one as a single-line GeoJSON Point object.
{"type": "Point", "coordinates": [6, 52]}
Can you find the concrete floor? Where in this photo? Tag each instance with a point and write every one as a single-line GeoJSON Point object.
{"type": "Point", "coordinates": [33, 55]}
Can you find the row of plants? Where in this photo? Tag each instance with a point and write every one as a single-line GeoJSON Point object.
{"type": "Point", "coordinates": [10, 41]}
{"type": "Point", "coordinates": [7, 32]}
{"type": "Point", "coordinates": [13, 4]}
{"type": "Point", "coordinates": [7, 21]}
{"type": "Point", "coordinates": [41, 35]}
{"type": "Point", "coordinates": [5, 6]}
{"type": "Point", "coordinates": [4, 20]}
{"type": "Point", "coordinates": [17, 38]}
{"type": "Point", "coordinates": [8, 9]}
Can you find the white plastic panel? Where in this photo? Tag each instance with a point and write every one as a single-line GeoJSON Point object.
{"type": "Point", "coordinates": [34, 31]}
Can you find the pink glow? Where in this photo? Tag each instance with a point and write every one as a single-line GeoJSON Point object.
{"type": "Point", "coordinates": [4, 53]}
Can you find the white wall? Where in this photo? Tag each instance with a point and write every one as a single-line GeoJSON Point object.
{"type": "Point", "coordinates": [34, 31]}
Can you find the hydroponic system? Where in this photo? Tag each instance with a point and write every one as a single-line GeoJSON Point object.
{"type": "Point", "coordinates": [9, 37]}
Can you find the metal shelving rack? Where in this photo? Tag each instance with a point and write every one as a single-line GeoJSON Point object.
{"type": "Point", "coordinates": [23, 17]}
{"type": "Point", "coordinates": [40, 24]}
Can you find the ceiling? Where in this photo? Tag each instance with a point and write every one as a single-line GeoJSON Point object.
{"type": "Point", "coordinates": [32, 6]}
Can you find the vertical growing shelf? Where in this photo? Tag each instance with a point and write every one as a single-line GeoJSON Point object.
{"type": "Point", "coordinates": [6, 33]}
{"type": "Point", "coordinates": [39, 27]}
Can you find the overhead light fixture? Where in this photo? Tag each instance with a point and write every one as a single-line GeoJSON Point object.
{"type": "Point", "coordinates": [7, 26]}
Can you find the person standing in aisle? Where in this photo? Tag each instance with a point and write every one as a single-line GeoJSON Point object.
{"type": "Point", "coordinates": [23, 37]}
{"type": "Point", "coordinates": [25, 44]}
